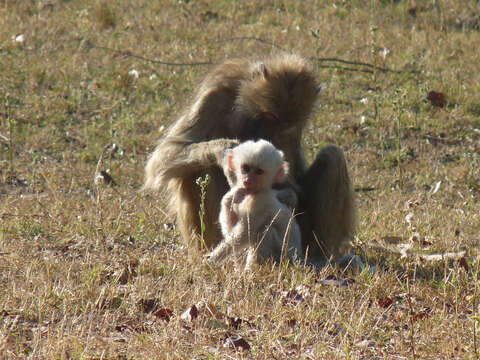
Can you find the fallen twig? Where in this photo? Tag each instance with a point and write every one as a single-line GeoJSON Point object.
{"type": "Point", "coordinates": [370, 67]}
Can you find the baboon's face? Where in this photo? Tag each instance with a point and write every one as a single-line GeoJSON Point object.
{"type": "Point", "coordinates": [265, 126]}
{"type": "Point", "coordinates": [261, 126]}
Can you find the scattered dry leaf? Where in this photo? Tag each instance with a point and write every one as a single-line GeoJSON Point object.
{"type": "Point", "coordinates": [296, 295]}
{"type": "Point", "coordinates": [235, 322]}
{"type": "Point", "coordinates": [385, 302]}
{"type": "Point", "coordinates": [411, 204]}
{"type": "Point", "coordinates": [416, 237]}
{"type": "Point", "coordinates": [19, 38]}
{"type": "Point", "coordinates": [149, 305]}
{"type": "Point", "coordinates": [392, 239]}
{"type": "Point", "coordinates": [292, 322]}
{"type": "Point", "coordinates": [333, 281]}
{"type": "Point", "coordinates": [190, 314]}
{"type": "Point", "coordinates": [128, 271]}
{"type": "Point", "coordinates": [436, 187]}
{"type": "Point", "coordinates": [104, 177]}
{"type": "Point", "coordinates": [424, 313]}
{"type": "Point", "coordinates": [463, 263]}
{"type": "Point", "coordinates": [437, 99]}
{"type": "Point", "coordinates": [164, 314]}
{"type": "Point", "coordinates": [236, 342]}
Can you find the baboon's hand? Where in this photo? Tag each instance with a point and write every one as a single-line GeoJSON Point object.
{"type": "Point", "coordinates": [197, 157]}
{"type": "Point", "coordinates": [219, 147]}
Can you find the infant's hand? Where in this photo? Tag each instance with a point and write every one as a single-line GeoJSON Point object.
{"type": "Point", "coordinates": [239, 195]}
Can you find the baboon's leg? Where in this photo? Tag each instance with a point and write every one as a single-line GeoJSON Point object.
{"type": "Point", "coordinates": [326, 201]}
{"type": "Point", "coordinates": [188, 208]}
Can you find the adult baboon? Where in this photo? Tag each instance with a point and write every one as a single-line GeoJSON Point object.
{"type": "Point", "coordinates": [241, 100]}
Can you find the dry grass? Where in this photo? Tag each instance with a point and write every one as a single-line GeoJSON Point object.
{"type": "Point", "coordinates": [96, 271]}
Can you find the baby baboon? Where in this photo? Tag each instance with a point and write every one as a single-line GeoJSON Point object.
{"type": "Point", "coordinates": [247, 100]}
{"type": "Point", "coordinates": [251, 214]}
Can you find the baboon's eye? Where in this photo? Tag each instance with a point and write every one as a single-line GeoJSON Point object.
{"type": "Point", "coordinates": [245, 169]}
{"type": "Point", "coordinates": [259, 171]}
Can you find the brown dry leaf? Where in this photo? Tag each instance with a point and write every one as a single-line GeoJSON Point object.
{"type": "Point", "coordinates": [236, 342]}
{"type": "Point", "coordinates": [129, 271]}
{"type": "Point", "coordinates": [392, 239]}
{"type": "Point", "coordinates": [463, 263]}
{"type": "Point", "coordinates": [104, 177]}
{"type": "Point", "coordinates": [332, 281]}
{"type": "Point", "coordinates": [235, 322]}
{"type": "Point", "coordinates": [296, 295]}
{"type": "Point", "coordinates": [291, 297]}
{"type": "Point", "coordinates": [411, 204]}
{"type": "Point", "coordinates": [437, 99]}
{"type": "Point", "coordinates": [442, 303]}
{"type": "Point", "coordinates": [164, 314]}
{"type": "Point", "coordinates": [123, 327]}
{"type": "Point", "coordinates": [190, 314]}
{"type": "Point", "coordinates": [292, 322]}
{"type": "Point", "coordinates": [385, 302]}
{"type": "Point", "coordinates": [149, 305]}
{"type": "Point", "coordinates": [416, 237]}
{"type": "Point", "coordinates": [424, 313]}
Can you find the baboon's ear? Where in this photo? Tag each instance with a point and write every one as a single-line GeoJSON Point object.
{"type": "Point", "coordinates": [281, 173]}
{"type": "Point", "coordinates": [286, 168]}
{"type": "Point", "coordinates": [231, 165]}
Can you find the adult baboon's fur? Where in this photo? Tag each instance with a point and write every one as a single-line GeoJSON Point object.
{"type": "Point", "coordinates": [240, 100]}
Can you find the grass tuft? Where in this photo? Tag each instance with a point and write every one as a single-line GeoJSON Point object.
{"type": "Point", "coordinates": [104, 14]}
